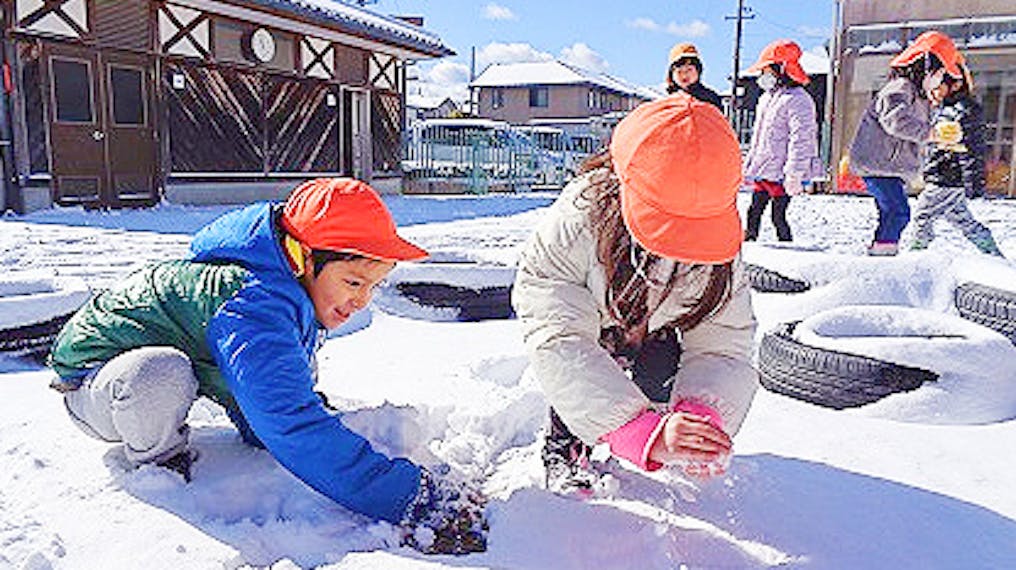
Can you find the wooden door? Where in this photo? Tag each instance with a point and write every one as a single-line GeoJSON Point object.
{"type": "Point", "coordinates": [356, 142]}
{"type": "Point", "coordinates": [76, 130]}
{"type": "Point", "coordinates": [129, 130]}
{"type": "Point", "coordinates": [102, 138]}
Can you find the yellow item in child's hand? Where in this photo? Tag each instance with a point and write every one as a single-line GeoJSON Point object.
{"type": "Point", "coordinates": [948, 135]}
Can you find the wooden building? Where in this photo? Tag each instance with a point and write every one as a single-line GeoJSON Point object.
{"type": "Point", "coordinates": [112, 103]}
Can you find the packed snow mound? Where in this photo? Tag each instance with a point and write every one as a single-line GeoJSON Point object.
{"type": "Point", "coordinates": [976, 365]}
{"type": "Point", "coordinates": [35, 296]}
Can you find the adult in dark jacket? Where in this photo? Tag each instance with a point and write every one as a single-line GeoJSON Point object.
{"type": "Point", "coordinates": [684, 73]}
{"type": "Point", "coordinates": [240, 322]}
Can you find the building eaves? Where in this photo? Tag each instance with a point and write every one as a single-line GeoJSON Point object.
{"type": "Point", "coordinates": [361, 22]}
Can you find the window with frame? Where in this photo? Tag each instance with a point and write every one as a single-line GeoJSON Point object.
{"type": "Point", "coordinates": [539, 97]}
{"type": "Point", "coordinates": [591, 99]}
{"type": "Point", "coordinates": [497, 98]}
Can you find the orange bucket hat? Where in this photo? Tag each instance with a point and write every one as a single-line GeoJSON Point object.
{"type": "Point", "coordinates": [680, 168]}
{"type": "Point", "coordinates": [344, 214]}
{"type": "Point", "coordinates": [786, 53]}
{"type": "Point", "coordinates": [934, 42]}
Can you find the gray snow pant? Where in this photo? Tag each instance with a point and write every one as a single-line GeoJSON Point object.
{"type": "Point", "coordinates": [949, 204]}
{"type": "Point", "coordinates": [141, 398]}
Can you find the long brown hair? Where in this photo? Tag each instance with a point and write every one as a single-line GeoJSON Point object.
{"type": "Point", "coordinates": [627, 292]}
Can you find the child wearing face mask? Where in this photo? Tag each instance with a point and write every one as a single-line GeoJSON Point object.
{"type": "Point", "coordinates": [784, 146]}
{"type": "Point", "coordinates": [953, 161]}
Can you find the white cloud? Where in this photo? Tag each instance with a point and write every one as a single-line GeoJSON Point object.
{"type": "Point", "coordinates": [496, 52]}
{"type": "Point", "coordinates": [644, 24]}
{"type": "Point", "coordinates": [494, 11]}
{"type": "Point", "coordinates": [583, 56]}
{"type": "Point", "coordinates": [448, 72]}
{"type": "Point", "coordinates": [693, 29]}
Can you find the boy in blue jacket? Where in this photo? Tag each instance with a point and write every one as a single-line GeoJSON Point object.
{"type": "Point", "coordinates": [240, 322]}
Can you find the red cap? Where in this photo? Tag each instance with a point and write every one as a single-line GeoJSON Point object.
{"type": "Point", "coordinates": [344, 214]}
{"type": "Point", "coordinates": [680, 168]}
{"type": "Point", "coordinates": [934, 42]}
{"type": "Point", "coordinates": [785, 53]}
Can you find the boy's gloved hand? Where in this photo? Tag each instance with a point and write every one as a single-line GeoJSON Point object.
{"type": "Point", "coordinates": [445, 517]}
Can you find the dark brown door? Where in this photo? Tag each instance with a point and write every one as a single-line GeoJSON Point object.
{"type": "Point", "coordinates": [101, 127]}
{"type": "Point", "coordinates": [130, 136]}
{"type": "Point", "coordinates": [77, 134]}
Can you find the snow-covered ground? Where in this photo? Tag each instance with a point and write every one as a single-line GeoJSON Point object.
{"type": "Point", "coordinates": [917, 480]}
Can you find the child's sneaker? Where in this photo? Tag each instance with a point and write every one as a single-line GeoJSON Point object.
{"type": "Point", "coordinates": [883, 248]}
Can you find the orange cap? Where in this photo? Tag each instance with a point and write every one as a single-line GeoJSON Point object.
{"type": "Point", "coordinates": [680, 167]}
{"type": "Point", "coordinates": [344, 214]}
{"type": "Point", "coordinates": [934, 42]}
{"type": "Point", "coordinates": [683, 50]}
{"type": "Point", "coordinates": [786, 53]}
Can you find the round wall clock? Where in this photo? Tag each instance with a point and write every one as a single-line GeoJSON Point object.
{"type": "Point", "coordinates": [262, 45]}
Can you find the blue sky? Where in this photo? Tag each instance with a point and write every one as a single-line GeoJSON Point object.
{"type": "Point", "coordinates": [627, 39]}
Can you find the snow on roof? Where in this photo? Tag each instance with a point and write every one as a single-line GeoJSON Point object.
{"type": "Point", "coordinates": [359, 21]}
{"type": "Point", "coordinates": [553, 72]}
{"type": "Point", "coordinates": [479, 123]}
{"type": "Point", "coordinates": [427, 102]}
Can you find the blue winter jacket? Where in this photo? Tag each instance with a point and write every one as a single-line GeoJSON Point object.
{"type": "Point", "coordinates": [263, 340]}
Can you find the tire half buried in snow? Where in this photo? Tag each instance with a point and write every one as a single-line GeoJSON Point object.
{"type": "Point", "coordinates": [766, 280]}
{"type": "Point", "coordinates": [830, 378]}
{"type": "Point", "coordinates": [988, 306]}
{"type": "Point", "coordinates": [450, 291]}
{"type": "Point", "coordinates": [33, 309]}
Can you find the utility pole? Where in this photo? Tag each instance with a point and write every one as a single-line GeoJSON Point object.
{"type": "Point", "coordinates": [742, 14]}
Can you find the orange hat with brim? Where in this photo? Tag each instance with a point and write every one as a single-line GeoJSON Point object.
{"type": "Point", "coordinates": [681, 51]}
{"type": "Point", "coordinates": [932, 42]}
{"type": "Point", "coordinates": [680, 168]}
{"type": "Point", "coordinates": [785, 53]}
{"type": "Point", "coordinates": [344, 214]}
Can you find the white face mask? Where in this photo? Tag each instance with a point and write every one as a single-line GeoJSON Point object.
{"type": "Point", "coordinates": [933, 80]}
{"type": "Point", "coordinates": [766, 81]}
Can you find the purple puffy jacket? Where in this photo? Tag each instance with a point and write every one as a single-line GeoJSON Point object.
{"type": "Point", "coordinates": [784, 139]}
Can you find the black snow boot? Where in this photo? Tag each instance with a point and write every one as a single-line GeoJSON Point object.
{"type": "Point", "coordinates": [181, 463]}
{"type": "Point", "coordinates": [566, 462]}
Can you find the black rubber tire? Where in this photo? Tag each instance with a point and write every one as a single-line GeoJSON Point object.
{"type": "Point", "coordinates": [988, 306]}
{"type": "Point", "coordinates": [830, 378]}
{"type": "Point", "coordinates": [768, 281]}
{"type": "Point", "coordinates": [472, 304]}
{"type": "Point", "coordinates": [33, 340]}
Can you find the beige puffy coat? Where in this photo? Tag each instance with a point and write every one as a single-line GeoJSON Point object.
{"type": "Point", "coordinates": [559, 296]}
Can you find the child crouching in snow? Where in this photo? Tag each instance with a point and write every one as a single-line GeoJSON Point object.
{"type": "Point", "coordinates": [240, 322]}
{"type": "Point", "coordinates": [633, 303]}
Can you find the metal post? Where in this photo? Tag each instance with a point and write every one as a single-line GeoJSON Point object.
{"type": "Point", "coordinates": [735, 116]}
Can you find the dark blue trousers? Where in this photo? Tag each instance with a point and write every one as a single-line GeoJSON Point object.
{"type": "Point", "coordinates": [893, 210]}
